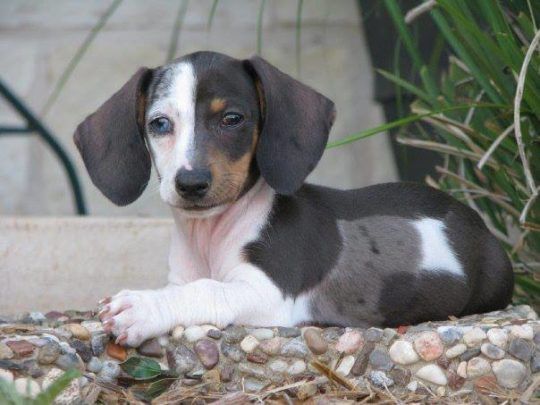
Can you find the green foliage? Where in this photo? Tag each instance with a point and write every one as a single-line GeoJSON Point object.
{"type": "Point", "coordinates": [491, 154]}
{"type": "Point", "coordinates": [141, 368]}
{"type": "Point", "coordinates": [10, 396]}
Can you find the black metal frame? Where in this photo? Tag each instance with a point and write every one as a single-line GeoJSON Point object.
{"type": "Point", "coordinates": [34, 125]}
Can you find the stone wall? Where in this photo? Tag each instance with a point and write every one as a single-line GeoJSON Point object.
{"type": "Point", "coordinates": [38, 39]}
{"type": "Point", "coordinates": [490, 358]}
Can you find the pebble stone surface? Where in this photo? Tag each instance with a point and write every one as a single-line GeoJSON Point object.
{"type": "Point", "coordinates": [500, 349]}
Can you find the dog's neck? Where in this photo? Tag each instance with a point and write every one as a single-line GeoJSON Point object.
{"type": "Point", "coordinates": [214, 243]}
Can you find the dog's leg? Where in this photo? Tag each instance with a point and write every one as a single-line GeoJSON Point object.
{"type": "Point", "coordinates": [249, 297]}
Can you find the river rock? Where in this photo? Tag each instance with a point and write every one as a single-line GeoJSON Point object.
{"type": "Point", "coordinates": [194, 333]}
{"type": "Point", "coordinates": [49, 353]}
{"type": "Point", "coordinates": [433, 374]}
{"type": "Point", "coordinates": [498, 337]}
{"type": "Point", "coordinates": [78, 331]}
{"type": "Point", "coordinates": [456, 350]}
{"type": "Point", "coordinates": [350, 342]}
{"type": "Point", "coordinates": [474, 337]}
{"type": "Point", "coordinates": [181, 359]}
{"type": "Point", "coordinates": [477, 367]}
{"type": "Point", "coordinates": [429, 346]}
{"type": "Point", "coordinates": [492, 351]}
{"type": "Point", "coordinates": [402, 352]}
{"type": "Point", "coordinates": [509, 373]}
{"type": "Point", "coordinates": [150, 348]}
{"type": "Point", "coordinates": [110, 370]}
{"type": "Point", "coordinates": [295, 348]}
{"type": "Point", "coordinates": [5, 352]}
{"type": "Point", "coordinates": [380, 360]}
{"type": "Point", "coordinates": [249, 344]}
{"type": "Point", "coordinates": [315, 341]}
{"type": "Point", "coordinates": [27, 385]}
{"type": "Point", "coordinates": [521, 349]}
{"type": "Point", "coordinates": [208, 353]}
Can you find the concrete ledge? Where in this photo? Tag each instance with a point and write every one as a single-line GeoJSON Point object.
{"type": "Point", "coordinates": [63, 263]}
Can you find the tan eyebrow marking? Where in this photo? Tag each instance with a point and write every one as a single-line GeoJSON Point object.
{"type": "Point", "coordinates": [217, 105]}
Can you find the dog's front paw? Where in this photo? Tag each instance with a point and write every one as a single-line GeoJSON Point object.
{"type": "Point", "coordinates": [134, 316]}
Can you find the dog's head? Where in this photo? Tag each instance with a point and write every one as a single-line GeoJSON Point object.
{"type": "Point", "coordinates": [212, 125]}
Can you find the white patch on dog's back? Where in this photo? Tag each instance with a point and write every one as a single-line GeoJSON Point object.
{"type": "Point", "coordinates": [183, 94]}
{"type": "Point", "coordinates": [437, 254]}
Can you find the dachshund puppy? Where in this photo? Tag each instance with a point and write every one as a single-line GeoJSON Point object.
{"type": "Point", "coordinates": [232, 142]}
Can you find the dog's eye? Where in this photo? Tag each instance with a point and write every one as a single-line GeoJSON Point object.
{"type": "Point", "coordinates": [161, 126]}
{"type": "Point", "coordinates": [231, 119]}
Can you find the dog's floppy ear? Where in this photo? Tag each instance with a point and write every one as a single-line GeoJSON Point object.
{"type": "Point", "coordinates": [296, 124]}
{"type": "Point", "coordinates": [112, 145]}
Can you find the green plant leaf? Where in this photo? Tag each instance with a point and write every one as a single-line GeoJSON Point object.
{"type": "Point", "coordinates": [9, 395]}
{"type": "Point", "coordinates": [141, 368]}
{"type": "Point", "coordinates": [57, 386]}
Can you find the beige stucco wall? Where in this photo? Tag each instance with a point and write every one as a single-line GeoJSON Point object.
{"type": "Point", "coordinates": [38, 38]}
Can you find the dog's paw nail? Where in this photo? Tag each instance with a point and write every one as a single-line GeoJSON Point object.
{"type": "Point", "coordinates": [103, 311]}
{"type": "Point", "coordinates": [105, 300]}
{"type": "Point", "coordinates": [121, 339]}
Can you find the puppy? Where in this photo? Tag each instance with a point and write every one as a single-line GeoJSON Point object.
{"type": "Point", "coordinates": [232, 142]}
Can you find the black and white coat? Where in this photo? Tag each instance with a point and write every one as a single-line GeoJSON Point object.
{"type": "Point", "coordinates": [232, 142]}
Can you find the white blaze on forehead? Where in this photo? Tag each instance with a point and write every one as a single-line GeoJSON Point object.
{"type": "Point", "coordinates": [437, 254]}
{"type": "Point", "coordinates": [183, 93]}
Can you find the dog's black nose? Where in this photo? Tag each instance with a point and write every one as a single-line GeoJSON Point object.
{"type": "Point", "coordinates": [193, 184]}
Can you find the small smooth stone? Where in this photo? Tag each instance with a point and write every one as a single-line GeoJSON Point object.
{"type": "Point", "coordinates": [207, 328]}
{"type": "Point", "coordinates": [232, 352]}
{"type": "Point", "coordinates": [295, 348]}
{"type": "Point", "coordinates": [253, 385]}
{"type": "Point", "coordinates": [535, 362]}
{"type": "Point", "coordinates": [214, 334]}
{"type": "Point", "coordinates": [443, 362]}
{"type": "Point", "coordinates": [93, 326]}
{"type": "Point", "coordinates": [21, 348]}
{"type": "Point", "coordinates": [462, 369]}
{"type": "Point", "coordinates": [498, 337]}
{"type": "Point", "coordinates": [251, 369]}
{"type": "Point", "coordinates": [78, 331]}
{"type": "Point", "coordinates": [82, 350]}
{"type": "Point", "coordinates": [412, 386]}
{"type": "Point", "coordinates": [262, 333]}
{"type": "Point", "coordinates": [5, 352]}
{"type": "Point", "coordinates": [346, 365]}
{"type": "Point", "coordinates": [388, 335]}
{"type": "Point", "coordinates": [194, 333]}
{"type": "Point", "coordinates": [65, 348]}
{"type": "Point", "coordinates": [94, 365]}
{"type": "Point", "coordinates": [27, 385]}
{"type": "Point", "coordinates": [116, 351]}
{"type": "Point", "coordinates": [32, 368]}
{"type": "Point", "coordinates": [522, 331]}
{"type": "Point", "coordinates": [297, 367]}
{"type": "Point", "coordinates": [163, 340]}
{"type": "Point", "coordinates": [380, 360]}
{"type": "Point", "coordinates": [332, 333]}
{"type": "Point", "coordinates": [6, 375]}
{"type": "Point", "coordinates": [380, 379]}
{"type": "Point", "coordinates": [288, 332]}
{"type": "Point", "coordinates": [208, 353]}
{"type": "Point", "coordinates": [150, 348]}
{"type": "Point", "coordinates": [486, 385]}
{"type": "Point", "coordinates": [374, 335]}
{"type": "Point", "coordinates": [456, 350]}
{"type": "Point", "coordinates": [449, 334]}
{"type": "Point", "coordinates": [98, 342]}
{"type": "Point", "coordinates": [278, 366]}
{"type": "Point", "coordinates": [477, 367]}
{"type": "Point", "coordinates": [272, 346]}
{"type": "Point", "coordinates": [362, 359]}
{"type": "Point", "coordinates": [521, 349]}
{"type": "Point", "coordinates": [249, 343]}
{"type": "Point", "coordinates": [429, 346]}
{"type": "Point", "coordinates": [509, 373]}
{"type": "Point", "coordinates": [257, 357]}
{"type": "Point", "coordinates": [402, 352]}
{"type": "Point", "coordinates": [181, 359]}
{"type": "Point", "coordinates": [350, 342]}
{"type": "Point", "coordinates": [492, 351]}
{"type": "Point", "coordinates": [38, 342]}
{"type": "Point", "coordinates": [177, 333]}
{"type": "Point", "coordinates": [234, 334]}
{"type": "Point", "coordinates": [110, 370]}
{"type": "Point", "coordinates": [469, 354]}
{"type": "Point", "coordinates": [433, 374]}
{"type": "Point", "coordinates": [315, 341]}
{"type": "Point", "coordinates": [70, 360]}
{"type": "Point", "coordinates": [474, 337]}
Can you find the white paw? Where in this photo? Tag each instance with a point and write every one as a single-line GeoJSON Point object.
{"type": "Point", "coordinates": [134, 316]}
